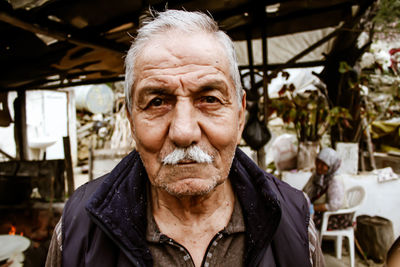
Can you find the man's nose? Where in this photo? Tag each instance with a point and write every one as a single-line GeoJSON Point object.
{"type": "Point", "coordinates": [184, 128]}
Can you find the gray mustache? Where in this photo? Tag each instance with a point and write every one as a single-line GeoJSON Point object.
{"type": "Point", "coordinates": [194, 153]}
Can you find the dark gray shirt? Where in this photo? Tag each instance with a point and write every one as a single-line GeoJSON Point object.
{"type": "Point", "coordinates": [225, 249]}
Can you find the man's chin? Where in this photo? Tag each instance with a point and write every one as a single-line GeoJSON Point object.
{"type": "Point", "coordinates": [190, 187]}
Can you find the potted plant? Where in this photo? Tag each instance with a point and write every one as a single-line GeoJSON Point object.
{"type": "Point", "coordinates": [310, 114]}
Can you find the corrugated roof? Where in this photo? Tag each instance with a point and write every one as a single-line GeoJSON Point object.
{"type": "Point", "coordinates": [57, 43]}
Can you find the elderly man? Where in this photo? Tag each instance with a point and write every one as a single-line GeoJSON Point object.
{"type": "Point", "coordinates": [188, 196]}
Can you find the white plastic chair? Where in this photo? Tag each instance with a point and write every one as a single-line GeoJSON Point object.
{"type": "Point", "coordinates": [355, 196]}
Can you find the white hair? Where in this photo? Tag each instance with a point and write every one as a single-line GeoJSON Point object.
{"type": "Point", "coordinates": [187, 22]}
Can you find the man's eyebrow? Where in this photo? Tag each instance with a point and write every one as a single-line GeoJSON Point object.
{"type": "Point", "coordinates": [150, 90]}
{"type": "Point", "coordinates": [213, 83]}
{"type": "Point", "coordinates": [219, 85]}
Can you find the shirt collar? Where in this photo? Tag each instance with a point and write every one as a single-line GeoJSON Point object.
{"type": "Point", "coordinates": [235, 225]}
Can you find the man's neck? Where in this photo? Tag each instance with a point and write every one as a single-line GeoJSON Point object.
{"type": "Point", "coordinates": [192, 207]}
{"type": "Point", "coordinates": [193, 221]}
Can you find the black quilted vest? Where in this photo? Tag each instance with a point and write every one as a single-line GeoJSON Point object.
{"type": "Point", "coordinates": [104, 221]}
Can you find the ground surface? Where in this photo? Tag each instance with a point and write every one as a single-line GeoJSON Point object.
{"type": "Point", "coordinates": [331, 260]}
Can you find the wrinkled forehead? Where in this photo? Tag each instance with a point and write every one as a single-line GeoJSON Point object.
{"type": "Point", "coordinates": [174, 47]}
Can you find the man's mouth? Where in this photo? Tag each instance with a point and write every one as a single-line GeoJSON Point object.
{"type": "Point", "coordinates": [187, 161]}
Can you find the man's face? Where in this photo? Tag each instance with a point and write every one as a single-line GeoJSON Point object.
{"type": "Point", "coordinates": [184, 96]}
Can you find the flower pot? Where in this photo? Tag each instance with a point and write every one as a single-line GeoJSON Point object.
{"type": "Point", "coordinates": [348, 152]}
{"type": "Point", "coordinates": [306, 155]}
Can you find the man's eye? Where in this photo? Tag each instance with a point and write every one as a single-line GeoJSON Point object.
{"type": "Point", "coordinates": [156, 102]}
{"type": "Point", "coordinates": [210, 99]}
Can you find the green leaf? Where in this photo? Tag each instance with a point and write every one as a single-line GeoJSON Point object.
{"type": "Point", "coordinates": [344, 67]}
{"type": "Point", "coordinates": [292, 114]}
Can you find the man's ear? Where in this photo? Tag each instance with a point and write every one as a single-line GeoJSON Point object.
{"type": "Point", "coordinates": [242, 113]}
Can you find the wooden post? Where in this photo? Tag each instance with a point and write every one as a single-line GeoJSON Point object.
{"type": "Point", "coordinates": [261, 159]}
{"type": "Point", "coordinates": [260, 152]}
{"type": "Point", "coordinates": [250, 58]}
{"type": "Point", "coordinates": [369, 144]}
{"type": "Point", "coordinates": [91, 159]}
{"type": "Point", "coordinates": [68, 165]}
{"type": "Point", "coordinates": [264, 42]}
{"type": "Point", "coordinates": [52, 178]}
{"type": "Point", "coordinates": [362, 160]}
{"type": "Point", "coordinates": [20, 133]}
{"type": "Point", "coordinates": [6, 154]}
{"type": "Point", "coordinates": [264, 39]}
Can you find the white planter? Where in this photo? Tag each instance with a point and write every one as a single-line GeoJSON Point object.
{"type": "Point", "coordinates": [306, 155]}
{"type": "Point", "coordinates": [348, 152]}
